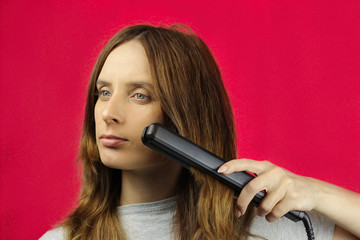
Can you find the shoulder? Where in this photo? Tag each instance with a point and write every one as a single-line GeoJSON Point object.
{"type": "Point", "coordinates": [286, 229]}
{"type": "Point", "coordinates": [54, 234]}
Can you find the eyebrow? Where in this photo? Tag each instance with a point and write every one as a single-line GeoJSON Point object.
{"type": "Point", "coordinates": [140, 84]}
{"type": "Point", "coordinates": [103, 83]}
{"type": "Point", "coordinates": [134, 84]}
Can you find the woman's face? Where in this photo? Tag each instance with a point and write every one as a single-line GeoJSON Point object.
{"type": "Point", "coordinates": [125, 106]}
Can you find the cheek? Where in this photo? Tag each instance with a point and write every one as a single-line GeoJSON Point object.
{"type": "Point", "coordinates": [96, 112]}
{"type": "Point", "coordinates": [146, 116]}
{"type": "Point", "coordinates": [158, 115]}
{"type": "Point", "coordinates": [97, 118]}
{"type": "Point", "coordinates": [141, 121]}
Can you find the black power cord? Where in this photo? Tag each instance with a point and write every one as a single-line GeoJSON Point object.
{"type": "Point", "coordinates": [308, 226]}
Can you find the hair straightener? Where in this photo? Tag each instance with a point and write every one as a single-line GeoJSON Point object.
{"type": "Point", "coordinates": [188, 154]}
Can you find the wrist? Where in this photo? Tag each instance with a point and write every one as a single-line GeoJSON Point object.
{"type": "Point", "coordinates": [322, 194]}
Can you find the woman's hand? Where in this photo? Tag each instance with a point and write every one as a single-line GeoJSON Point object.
{"type": "Point", "coordinates": [286, 191]}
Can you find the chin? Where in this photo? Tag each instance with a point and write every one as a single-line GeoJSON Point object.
{"type": "Point", "coordinates": [123, 163]}
{"type": "Point", "coordinates": [113, 163]}
{"type": "Point", "coordinates": [131, 165]}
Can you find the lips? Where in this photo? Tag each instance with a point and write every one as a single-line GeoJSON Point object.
{"type": "Point", "coordinates": [111, 140]}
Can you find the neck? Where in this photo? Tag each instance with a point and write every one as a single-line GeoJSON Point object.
{"type": "Point", "coordinates": [139, 186]}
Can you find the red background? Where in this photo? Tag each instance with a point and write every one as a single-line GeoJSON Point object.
{"type": "Point", "coordinates": [292, 69]}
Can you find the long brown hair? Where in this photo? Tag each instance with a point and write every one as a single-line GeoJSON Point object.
{"type": "Point", "coordinates": [195, 104]}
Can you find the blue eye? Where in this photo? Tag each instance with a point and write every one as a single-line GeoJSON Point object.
{"type": "Point", "coordinates": [140, 96]}
{"type": "Point", "coordinates": [105, 93]}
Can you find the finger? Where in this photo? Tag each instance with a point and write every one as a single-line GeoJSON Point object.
{"type": "Point", "coordinates": [248, 193]}
{"type": "Point", "coordinates": [244, 164]}
{"type": "Point", "coordinates": [282, 208]}
{"type": "Point", "coordinates": [276, 188]}
{"type": "Point", "coordinates": [272, 198]}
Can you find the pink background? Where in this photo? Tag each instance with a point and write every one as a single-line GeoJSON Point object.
{"type": "Point", "coordinates": [292, 69]}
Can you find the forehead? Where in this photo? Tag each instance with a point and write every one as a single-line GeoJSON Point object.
{"type": "Point", "coordinates": [127, 62]}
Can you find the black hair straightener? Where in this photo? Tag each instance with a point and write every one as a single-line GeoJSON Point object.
{"type": "Point", "coordinates": [188, 154]}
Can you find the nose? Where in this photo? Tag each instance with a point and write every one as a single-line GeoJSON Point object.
{"type": "Point", "coordinates": [113, 111]}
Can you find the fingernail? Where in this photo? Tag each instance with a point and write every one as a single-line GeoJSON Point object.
{"type": "Point", "coordinates": [222, 169]}
{"type": "Point", "coordinates": [238, 213]}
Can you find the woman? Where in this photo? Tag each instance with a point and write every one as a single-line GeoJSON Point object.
{"type": "Point", "coordinates": [149, 74]}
